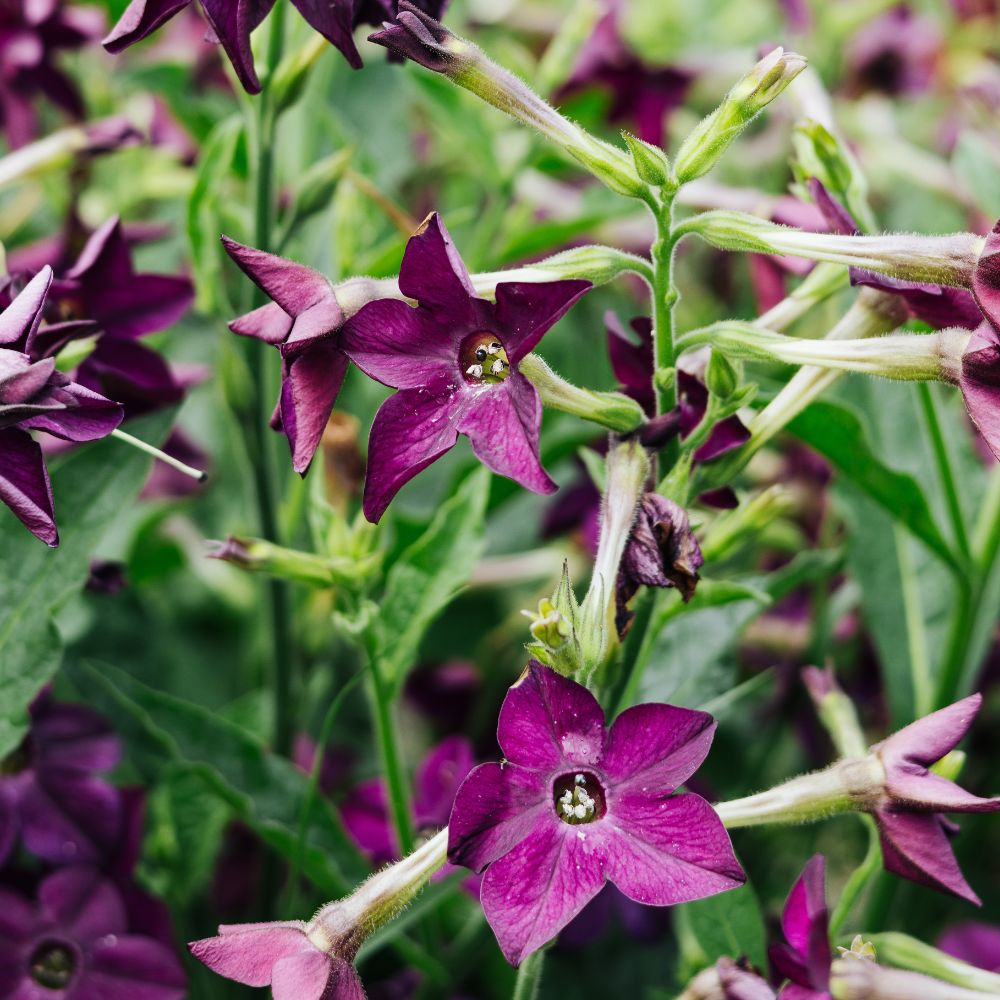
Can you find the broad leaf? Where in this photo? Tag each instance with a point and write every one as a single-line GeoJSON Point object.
{"type": "Point", "coordinates": [729, 924]}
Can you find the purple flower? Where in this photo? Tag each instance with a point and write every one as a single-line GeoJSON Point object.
{"type": "Point", "coordinates": [641, 95]}
{"type": "Point", "coordinates": [805, 960]}
{"type": "Point", "coordinates": [973, 942]}
{"type": "Point", "coordinates": [301, 321]}
{"type": "Point", "coordinates": [575, 805]}
{"type": "Point", "coordinates": [35, 396]}
{"type": "Point", "coordinates": [896, 54]}
{"type": "Point", "coordinates": [454, 359]}
{"type": "Point", "coordinates": [728, 980]}
{"type": "Point", "coordinates": [32, 32]}
{"type": "Point", "coordinates": [75, 943]}
{"type": "Point", "coordinates": [50, 795]}
{"type": "Point", "coordinates": [913, 831]}
{"type": "Point", "coordinates": [365, 811]}
{"type": "Point", "coordinates": [281, 954]}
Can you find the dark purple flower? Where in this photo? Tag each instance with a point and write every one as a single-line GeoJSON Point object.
{"type": "Point", "coordinates": [575, 509]}
{"type": "Point", "coordinates": [444, 693]}
{"type": "Point", "coordinates": [936, 305]}
{"type": "Point", "coordinates": [365, 810]}
{"type": "Point", "coordinates": [979, 380]}
{"type": "Point", "coordinates": [909, 813]}
{"type": "Point", "coordinates": [32, 33]}
{"type": "Point", "coordinates": [805, 960]}
{"type": "Point", "coordinates": [975, 943]}
{"type": "Point", "coordinates": [75, 943]}
{"type": "Point", "coordinates": [335, 764]}
{"type": "Point", "coordinates": [575, 805]}
{"type": "Point", "coordinates": [106, 577]}
{"type": "Point", "coordinates": [896, 53]}
{"type": "Point", "coordinates": [50, 795]}
{"type": "Point", "coordinates": [454, 359]}
{"type": "Point", "coordinates": [642, 96]}
{"type": "Point", "coordinates": [301, 321]}
{"type": "Point", "coordinates": [34, 396]}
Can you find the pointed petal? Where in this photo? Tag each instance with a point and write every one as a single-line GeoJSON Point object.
{"type": "Point", "coordinates": [396, 345]}
{"type": "Point", "coordinates": [247, 953]}
{"type": "Point", "coordinates": [915, 846]}
{"type": "Point", "coordinates": [986, 278]}
{"type": "Point", "coordinates": [141, 17]}
{"type": "Point", "coordinates": [530, 894]}
{"type": "Point", "coordinates": [19, 321]}
{"type": "Point", "coordinates": [131, 374]}
{"type": "Point", "coordinates": [669, 850]}
{"type": "Point", "coordinates": [105, 257]}
{"type": "Point", "coordinates": [438, 779]}
{"type": "Point", "coordinates": [725, 436]}
{"type": "Point", "coordinates": [497, 806]}
{"type": "Point", "coordinates": [145, 303]}
{"type": "Point", "coordinates": [334, 20]}
{"type": "Point", "coordinates": [525, 311]}
{"type": "Point", "coordinates": [548, 721]}
{"type": "Point", "coordinates": [303, 976]}
{"type": "Point", "coordinates": [658, 745]}
{"type": "Point", "coordinates": [232, 21]}
{"type": "Point", "coordinates": [632, 361]}
{"type": "Point", "coordinates": [432, 271]}
{"type": "Point", "coordinates": [269, 323]}
{"type": "Point", "coordinates": [88, 416]}
{"type": "Point", "coordinates": [130, 967]}
{"type": "Point", "coordinates": [25, 486]}
{"type": "Point", "coordinates": [293, 286]}
{"type": "Point", "coordinates": [806, 905]}
{"type": "Point", "coordinates": [20, 380]}
{"type": "Point", "coordinates": [309, 389]}
{"type": "Point", "coordinates": [82, 901]}
{"type": "Point", "coordinates": [502, 423]}
{"type": "Point", "coordinates": [411, 429]}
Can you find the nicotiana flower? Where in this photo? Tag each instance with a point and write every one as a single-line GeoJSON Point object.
{"type": "Point", "coordinates": [301, 321]}
{"type": "Point", "coordinates": [913, 831]}
{"type": "Point", "coordinates": [805, 959]}
{"type": "Point", "coordinates": [312, 960]}
{"type": "Point", "coordinates": [896, 53]}
{"type": "Point", "coordinates": [31, 36]}
{"type": "Point", "coordinates": [641, 95]}
{"type": "Point", "coordinates": [454, 359]}
{"type": "Point", "coordinates": [973, 942]}
{"type": "Point", "coordinates": [34, 396]}
{"type": "Point", "coordinates": [75, 943]}
{"type": "Point", "coordinates": [51, 797]}
{"type": "Point", "coordinates": [365, 810]}
{"type": "Point", "coordinates": [575, 804]}
{"type": "Point", "coordinates": [728, 980]}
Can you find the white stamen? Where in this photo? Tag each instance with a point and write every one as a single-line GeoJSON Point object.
{"type": "Point", "coordinates": [476, 371]}
{"type": "Point", "coordinates": [497, 367]}
{"type": "Point", "coordinates": [580, 779]}
{"type": "Point", "coordinates": [494, 348]}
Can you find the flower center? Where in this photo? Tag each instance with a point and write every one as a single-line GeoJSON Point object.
{"type": "Point", "coordinates": [18, 760]}
{"type": "Point", "coordinates": [52, 965]}
{"type": "Point", "coordinates": [579, 798]}
{"type": "Point", "coordinates": [483, 359]}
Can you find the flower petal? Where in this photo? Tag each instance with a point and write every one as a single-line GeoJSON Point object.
{"type": "Point", "coordinates": [130, 967]}
{"type": "Point", "coordinates": [333, 19]}
{"type": "Point", "coordinates": [631, 361]}
{"type": "Point", "coordinates": [986, 278]}
{"type": "Point", "coordinates": [525, 311]}
{"type": "Point", "coordinates": [396, 345]}
{"type": "Point", "coordinates": [433, 273]}
{"type": "Point", "coordinates": [978, 381]}
{"type": "Point", "coordinates": [303, 976]}
{"type": "Point", "coordinates": [19, 321]}
{"type": "Point", "coordinates": [658, 745]}
{"type": "Point", "coordinates": [232, 21]}
{"type": "Point", "coordinates": [269, 323]}
{"type": "Point", "coordinates": [365, 814]}
{"type": "Point", "coordinates": [497, 806]}
{"type": "Point", "coordinates": [88, 417]}
{"type": "Point", "coordinates": [72, 737]}
{"type": "Point", "coordinates": [548, 721]}
{"type": "Point", "coordinates": [438, 779]}
{"type": "Point", "coordinates": [502, 423]}
{"type": "Point", "coordinates": [806, 905]}
{"type": "Point", "coordinates": [915, 846]}
{"type": "Point", "coordinates": [669, 850]}
{"type": "Point", "coordinates": [141, 18]}
{"type": "Point", "coordinates": [247, 953]}
{"type": "Point", "coordinates": [530, 894]}
{"type": "Point", "coordinates": [83, 902]}
{"type": "Point", "coordinates": [411, 429]}
{"type": "Point", "coordinates": [25, 486]}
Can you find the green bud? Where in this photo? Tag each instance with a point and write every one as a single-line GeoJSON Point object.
{"type": "Point", "coordinates": [860, 948]}
{"type": "Point", "coordinates": [292, 73]}
{"type": "Point", "coordinates": [721, 376]}
{"type": "Point", "coordinates": [663, 378]}
{"type": "Point", "coordinates": [909, 953]}
{"type": "Point", "coordinates": [713, 135]}
{"type": "Point", "coordinates": [316, 189]}
{"type": "Point", "coordinates": [651, 163]}
{"type": "Point", "coordinates": [549, 626]}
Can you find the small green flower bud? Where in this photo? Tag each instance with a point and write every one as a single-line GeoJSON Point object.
{"type": "Point", "coordinates": [651, 163]}
{"type": "Point", "coordinates": [549, 626]}
{"type": "Point", "coordinates": [860, 948]}
{"type": "Point", "coordinates": [721, 376]}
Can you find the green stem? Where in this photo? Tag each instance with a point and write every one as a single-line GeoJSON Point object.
{"type": "Point", "coordinates": [870, 866]}
{"type": "Point", "coordinates": [916, 635]}
{"type": "Point", "coordinates": [946, 472]}
{"type": "Point", "coordinates": [529, 976]}
{"type": "Point", "coordinates": [664, 299]}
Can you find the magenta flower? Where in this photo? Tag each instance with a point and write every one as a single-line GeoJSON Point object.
{"type": "Point", "coordinates": [642, 96]}
{"type": "Point", "coordinates": [34, 396]}
{"type": "Point", "coordinates": [31, 36]}
{"type": "Point", "coordinates": [365, 810]}
{"type": "Point", "coordinates": [75, 943]}
{"type": "Point", "coordinates": [896, 53]}
{"type": "Point", "coordinates": [454, 359]}
{"type": "Point", "coordinates": [973, 942]}
{"type": "Point", "coordinates": [914, 833]}
{"type": "Point", "coordinates": [301, 321]}
{"type": "Point", "coordinates": [290, 956]}
{"type": "Point", "coordinates": [805, 960]}
{"type": "Point", "coordinates": [575, 805]}
{"type": "Point", "coordinates": [51, 797]}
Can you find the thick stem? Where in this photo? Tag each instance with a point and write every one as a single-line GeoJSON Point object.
{"type": "Point", "coordinates": [529, 976]}
{"type": "Point", "coordinates": [392, 765]}
{"type": "Point", "coordinates": [664, 299]}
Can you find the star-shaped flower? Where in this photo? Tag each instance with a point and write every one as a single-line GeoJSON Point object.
{"type": "Point", "coordinates": [575, 804]}
{"type": "Point", "coordinates": [454, 359]}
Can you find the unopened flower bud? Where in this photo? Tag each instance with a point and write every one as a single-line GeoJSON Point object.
{"type": "Point", "coordinates": [860, 949]}
{"type": "Point", "coordinates": [549, 626]}
{"type": "Point", "coordinates": [651, 163]}
{"type": "Point", "coordinates": [702, 149]}
{"type": "Point", "coordinates": [721, 376]}
{"type": "Point", "coordinates": [854, 980]}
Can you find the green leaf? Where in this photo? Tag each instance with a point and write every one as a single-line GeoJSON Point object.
{"type": "Point", "coordinates": [838, 435]}
{"type": "Point", "coordinates": [267, 792]}
{"type": "Point", "coordinates": [728, 924]}
{"type": "Point", "coordinates": [977, 164]}
{"type": "Point", "coordinates": [91, 486]}
{"type": "Point", "coordinates": [429, 574]}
